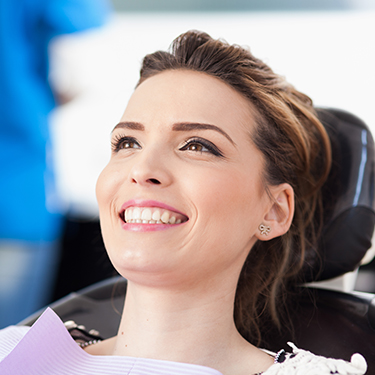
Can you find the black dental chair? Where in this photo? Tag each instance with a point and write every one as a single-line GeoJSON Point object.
{"type": "Point", "coordinates": [330, 323]}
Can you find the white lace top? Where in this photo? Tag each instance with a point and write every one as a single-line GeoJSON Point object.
{"type": "Point", "coordinates": [302, 362]}
{"type": "Point", "coordinates": [35, 351]}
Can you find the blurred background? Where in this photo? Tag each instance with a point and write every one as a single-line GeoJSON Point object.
{"type": "Point", "coordinates": [324, 47]}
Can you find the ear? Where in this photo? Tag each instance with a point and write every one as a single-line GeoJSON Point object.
{"type": "Point", "coordinates": [280, 214]}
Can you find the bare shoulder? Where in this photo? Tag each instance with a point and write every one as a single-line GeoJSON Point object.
{"type": "Point", "coordinates": [249, 360]}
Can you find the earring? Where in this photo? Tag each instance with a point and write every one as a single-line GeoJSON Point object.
{"type": "Point", "coordinates": [264, 229]}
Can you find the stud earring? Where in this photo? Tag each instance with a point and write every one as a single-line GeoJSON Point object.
{"type": "Point", "coordinates": [264, 229]}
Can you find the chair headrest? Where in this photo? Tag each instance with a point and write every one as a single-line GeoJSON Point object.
{"type": "Point", "coordinates": [348, 197]}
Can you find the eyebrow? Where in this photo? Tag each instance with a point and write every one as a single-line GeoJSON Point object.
{"type": "Point", "coordinates": [129, 125]}
{"type": "Point", "coordinates": [186, 126]}
{"type": "Point", "coordinates": [180, 126]}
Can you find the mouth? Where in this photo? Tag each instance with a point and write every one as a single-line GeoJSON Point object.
{"type": "Point", "coordinates": [152, 215]}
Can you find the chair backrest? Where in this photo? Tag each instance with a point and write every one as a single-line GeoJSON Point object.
{"type": "Point", "coordinates": [348, 197]}
{"type": "Point", "coordinates": [326, 322]}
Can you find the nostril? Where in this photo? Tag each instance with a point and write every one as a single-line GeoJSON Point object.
{"type": "Point", "coordinates": [154, 181]}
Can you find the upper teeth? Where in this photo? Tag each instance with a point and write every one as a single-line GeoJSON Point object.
{"type": "Point", "coordinates": [152, 215]}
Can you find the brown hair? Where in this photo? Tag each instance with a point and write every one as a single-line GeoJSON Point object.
{"type": "Point", "coordinates": [297, 151]}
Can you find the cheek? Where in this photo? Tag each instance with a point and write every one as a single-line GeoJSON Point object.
{"type": "Point", "coordinates": [231, 206]}
{"type": "Point", "coordinates": [107, 186]}
{"type": "Point", "coordinates": [227, 214]}
{"type": "Point", "coordinates": [230, 195]}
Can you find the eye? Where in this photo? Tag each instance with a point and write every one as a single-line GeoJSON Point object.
{"type": "Point", "coordinates": [122, 143]}
{"type": "Point", "coordinates": [196, 147]}
{"type": "Point", "coordinates": [202, 146]}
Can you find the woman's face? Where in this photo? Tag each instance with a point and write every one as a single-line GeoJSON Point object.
{"type": "Point", "coordinates": [182, 196]}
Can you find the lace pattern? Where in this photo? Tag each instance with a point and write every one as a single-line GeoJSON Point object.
{"type": "Point", "coordinates": [303, 362]}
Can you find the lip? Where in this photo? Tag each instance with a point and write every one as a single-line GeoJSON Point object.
{"type": "Point", "coordinates": [139, 227]}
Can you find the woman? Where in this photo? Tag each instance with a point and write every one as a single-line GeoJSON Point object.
{"type": "Point", "coordinates": [208, 205]}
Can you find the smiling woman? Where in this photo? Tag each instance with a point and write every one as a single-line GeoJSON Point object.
{"type": "Point", "coordinates": [209, 205]}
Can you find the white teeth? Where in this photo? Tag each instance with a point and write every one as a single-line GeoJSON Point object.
{"type": "Point", "coordinates": [146, 214]}
{"type": "Point", "coordinates": [128, 215]}
{"type": "Point", "coordinates": [156, 215]}
{"type": "Point", "coordinates": [165, 217]}
{"type": "Point", "coordinates": [136, 213]}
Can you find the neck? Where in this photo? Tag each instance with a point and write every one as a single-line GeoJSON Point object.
{"type": "Point", "coordinates": [192, 326]}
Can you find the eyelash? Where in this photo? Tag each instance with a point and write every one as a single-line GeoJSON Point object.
{"type": "Point", "coordinates": [118, 141]}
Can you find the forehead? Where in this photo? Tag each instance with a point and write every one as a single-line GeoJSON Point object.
{"type": "Point", "coordinates": [183, 95]}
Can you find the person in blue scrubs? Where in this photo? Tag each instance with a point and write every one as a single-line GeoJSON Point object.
{"type": "Point", "coordinates": [30, 211]}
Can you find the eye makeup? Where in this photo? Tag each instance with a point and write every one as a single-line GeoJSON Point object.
{"type": "Point", "coordinates": [201, 145]}
{"type": "Point", "coordinates": [120, 142]}
{"type": "Point", "coordinates": [195, 144]}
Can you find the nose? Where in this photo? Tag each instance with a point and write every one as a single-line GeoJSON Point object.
{"type": "Point", "coordinates": [150, 169]}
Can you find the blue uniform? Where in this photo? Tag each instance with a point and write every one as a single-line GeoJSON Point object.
{"type": "Point", "coordinates": [30, 214]}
